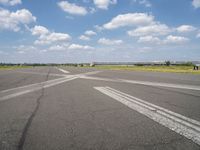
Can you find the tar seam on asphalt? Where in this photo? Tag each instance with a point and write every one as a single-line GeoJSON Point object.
{"type": "Point", "coordinates": [30, 119]}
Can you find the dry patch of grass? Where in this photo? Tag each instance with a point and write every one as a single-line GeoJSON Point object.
{"type": "Point", "coordinates": [173, 69]}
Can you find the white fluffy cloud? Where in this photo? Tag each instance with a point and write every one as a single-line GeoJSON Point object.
{"type": "Point", "coordinates": [65, 47]}
{"type": "Point", "coordinates": [150, 30]}
{"type": "Point", "coordinates": [176, 39]}
{"type": "Point", "coordinates": [196, 3]}
{"type": "Point", "coordinates": [149, 39]}
{"type": "Point", "coordinates": [84, 38]}
{"type": "Point", "coordinates": [13, 20]}
{"type": "Point", "coordinates": [146, 3]}
{"type": "Point", "coordinates": [57, 47]}
{"type": "Point", "coordinates": [170, 39]}
{"type": "Point", "coordinates": [47, 37]}
{"type": "Point", "coordinates": [103, 4]}
{"type": "Point", "coordinates": [80, 47]}
{"type": "Point", "coordinates": [39, 30]}
{"type": "Point", "coordinates": [10, 2]}
{"type": "Point", "coordinates": [130, 19]}
{"type": "Point", "coordinates": [72, 8]}
{"type": "Point", "coordinates": [90, 33]}
{"type": "Point", "coordinates": [52, 38]}
{"type": "Point", "coordinates": [185, 28]}
{"type": "Point", "coordinates": [105, 41]}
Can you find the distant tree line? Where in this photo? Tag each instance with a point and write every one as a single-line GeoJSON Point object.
{"type": "Point", "coordinates": [45, 64]}
{"type": "Point", "coordinates": [166, 63]}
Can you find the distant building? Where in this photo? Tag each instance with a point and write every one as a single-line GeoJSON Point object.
{"type": "Point", "coordinates": [92, 64]}
{"type": "Point", "coordinates": [196, 66]}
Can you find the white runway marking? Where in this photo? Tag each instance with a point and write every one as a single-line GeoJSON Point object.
{"type": "Point", "coordinates": [62, 70]}
{"type": "Point", "coordinates": [14, 92]}
{"type": "Point", "coordinates": [14, 95]}
{"type": "Point", "coordinates": [159, 84]}
{"type": "Point", "coordinates": [100, 79]}
{"type": "Point", "coordinates": [36, 88]}
{"type": "Point", "coordinates": [182, 125]}
{"type": "Point", "coordinates": [44, 74]}
{"type": "Point", "coordinates": [91, 73]}
{"type": "Point", "coordinates": [32, 85]}
{"type": "Point", "coordinates": [169, 85]}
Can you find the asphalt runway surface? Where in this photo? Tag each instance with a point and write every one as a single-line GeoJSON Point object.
{"type": "Point", "coordinates": [71, 108]}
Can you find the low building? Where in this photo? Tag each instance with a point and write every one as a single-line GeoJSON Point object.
{"type": "Point", "coordinates": [196, 66]}
{"type": "Point", "coordinates": [92, 64]}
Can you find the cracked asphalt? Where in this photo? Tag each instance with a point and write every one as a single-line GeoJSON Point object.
{"type": "Point", "coordinates": [74, 116]}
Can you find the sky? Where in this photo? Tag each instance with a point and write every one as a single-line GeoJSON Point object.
{"type": "Point", "coordinates": [76, 31]}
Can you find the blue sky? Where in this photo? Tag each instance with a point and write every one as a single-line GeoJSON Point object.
{"type": "Point", "coordinates": [61, 31]}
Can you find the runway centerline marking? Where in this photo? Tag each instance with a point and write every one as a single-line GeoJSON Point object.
{"type": "Point", "coordinates": [44, 74]}
{"type": "Point", "coordinates": [62, 70]}
{"type": "Point", "coordinates": [157, 84]}
{"type": "Point", "coordinates": [161, 84]}
{"type": "Point", "coordinates": [180, 124]}
{"type": "Point", "coordinates": [36, 88]}
{"type": "Point", "coordinates": [31, 85]}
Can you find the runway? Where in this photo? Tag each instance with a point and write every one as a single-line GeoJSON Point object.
{"type": "Point", "coordinates": [61, 108]}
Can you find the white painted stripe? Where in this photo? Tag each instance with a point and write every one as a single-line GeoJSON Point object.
{"type": "Point", "coordinates": [44, 74]}
{"type": "Point", "coordinates": [49, 81]}
{"type": "Point", "coordinates": [91, 73]}
{"type": "Point", "coordinates": [155, 107]}
{"type": "Point", "coordinates": [31, 85]}
{"type": "Point", "coordinates": [168, 85]}
{"type": "Point", "coordinates": [62, 70]}
{"type": "Point", "coordinates": [99, 79]}
{"type": "Point", "coordinates": [14, 95]}
{"type": "Point", "coordinates": [159, 84]}
{"type": "Point", "coordinates": [182, 125]}
{"type": "Point", "coordinates": [14, 92]}
{"type": "Point", "coordinates": [46, 85]}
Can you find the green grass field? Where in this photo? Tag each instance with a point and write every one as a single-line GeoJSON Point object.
{"type": "Point", "coordinates": [173, 69]}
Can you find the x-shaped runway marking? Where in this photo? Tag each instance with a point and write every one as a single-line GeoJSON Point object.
{"type": "Point", "coordinates": [14, 92]}
{"type": "Point", "coordinates": [180, 124]}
